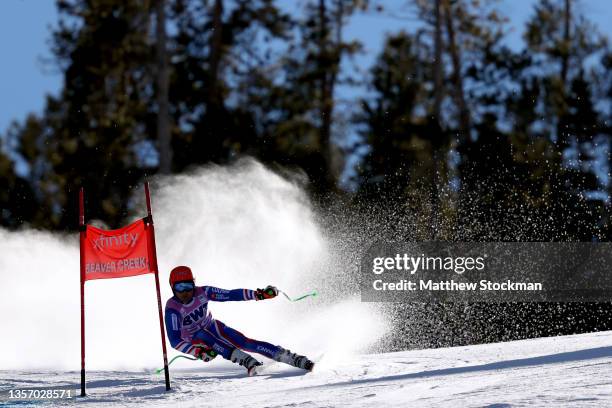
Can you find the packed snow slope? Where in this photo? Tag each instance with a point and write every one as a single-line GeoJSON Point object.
{"type": "Point", "coordinates": [568, 371]}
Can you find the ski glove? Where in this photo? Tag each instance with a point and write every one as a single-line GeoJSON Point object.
{"type": "Point", "coordinates": [203, 351]}
{"type": "Point", "coordinates": [268, 293]}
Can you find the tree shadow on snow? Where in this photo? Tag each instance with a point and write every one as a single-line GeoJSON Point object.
{"type": "Point", "coordinates": [580, 355]}
{"type": "Point", "coordinates": [285, 374]}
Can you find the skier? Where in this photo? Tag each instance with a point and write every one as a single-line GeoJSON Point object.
{"type": "Point", "coordinates": [192, 329]}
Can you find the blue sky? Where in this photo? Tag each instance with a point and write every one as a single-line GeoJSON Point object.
{"type": "Point", "coordinates": [25, 33]}
{"type": "Point", "coordinates": [24, 80]}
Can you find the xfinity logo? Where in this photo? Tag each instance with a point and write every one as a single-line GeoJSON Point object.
{"type": "Point", "coordinates": [218, 290]}
{"type": "Point", "coordinates": [115, 241]}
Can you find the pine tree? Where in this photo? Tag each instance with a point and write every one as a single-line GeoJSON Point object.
{"type": "Point", "coordinates": [214, 51]}
{"type": "Point", "coordinates": [97, 132]}
{"type": "Point", "coordinates": [17, 201]}
{"type": "Point", "coordinates": [560, 40]}
{"type": "Point", "coordinates": [392, 122]}
{"type": "Point", "coordinates": [302, 132]}
{"type": "Point", "coordinates": [164, 142]}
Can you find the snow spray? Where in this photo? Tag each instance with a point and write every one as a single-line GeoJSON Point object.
{"type": "Point", "coordinates": [235, 226]}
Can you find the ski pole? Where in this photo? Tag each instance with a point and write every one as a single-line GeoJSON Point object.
{"type": "Point", "coordinates": [211, 354]}
{"type": "Point", "coordinates": [313, 294]}
{"type": "Point", "coordinates": [159, 370]}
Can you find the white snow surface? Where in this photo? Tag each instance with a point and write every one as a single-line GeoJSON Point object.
{"type": "Point", "coordinates": [567, 371]}
{"type": "Point", "coordinates": [243, 226]}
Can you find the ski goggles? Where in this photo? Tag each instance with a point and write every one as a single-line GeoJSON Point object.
{"type": "Point", "coordinates": [183, 286]}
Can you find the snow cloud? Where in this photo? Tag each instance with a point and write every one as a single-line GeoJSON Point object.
{"type": "Point", "coordinates": [235, 226]}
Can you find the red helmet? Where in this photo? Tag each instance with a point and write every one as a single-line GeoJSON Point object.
{"type": "Point", "coordinates": [180, 273]}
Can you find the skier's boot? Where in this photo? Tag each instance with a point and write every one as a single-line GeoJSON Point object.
{"type": "Point", "coordinates": [287, 357]}
{"type": "Point", "coordinates": [245, 360]}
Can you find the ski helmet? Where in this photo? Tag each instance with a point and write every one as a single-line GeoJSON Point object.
{"type": "Point", "coordinates": [180, 273]}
